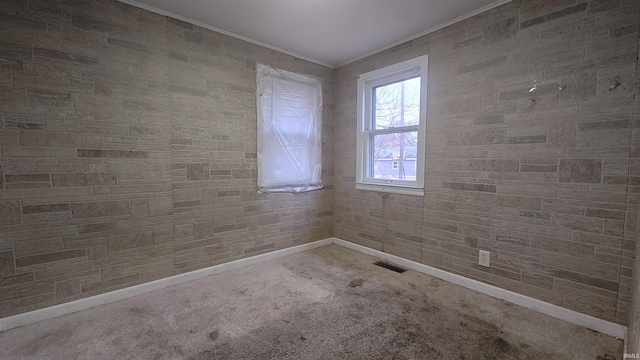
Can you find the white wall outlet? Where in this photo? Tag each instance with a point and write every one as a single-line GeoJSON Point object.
{"type": "Point", "coordinates": [485, 258]}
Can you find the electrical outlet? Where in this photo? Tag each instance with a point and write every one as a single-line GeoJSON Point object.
{"type": "Point", "coordinates": [485, 258]}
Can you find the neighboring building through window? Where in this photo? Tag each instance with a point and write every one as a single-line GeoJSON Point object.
{"type": "Point", "coordinates": [392, 128]}
{"type": "Point", "coordinates": [289, 107]}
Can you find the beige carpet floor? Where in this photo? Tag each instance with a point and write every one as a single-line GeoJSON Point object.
{"type": "Point", "coordinates": [327, 303]}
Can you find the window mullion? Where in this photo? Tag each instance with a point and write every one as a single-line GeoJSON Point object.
{"type": "Point", "coordinates": [395, 130]}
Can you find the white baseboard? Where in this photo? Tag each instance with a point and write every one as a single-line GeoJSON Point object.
{"type": "Point", "coordinates": [97, 300]}
{"type": "Point", "coordinates": [555, 311]}
{"type": "Point", "coordinates": [574, 317]}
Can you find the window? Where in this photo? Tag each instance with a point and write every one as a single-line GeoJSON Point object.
{"type": "Point", "coordinates": [392, 104]}
{"type": "Point", "coordinates": [289, 107]}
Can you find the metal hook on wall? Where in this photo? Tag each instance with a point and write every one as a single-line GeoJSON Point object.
{"type": "Point", "coordinates": [614, 85]}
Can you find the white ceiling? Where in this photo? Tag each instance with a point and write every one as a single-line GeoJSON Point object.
{"type": "Point", "coordinates": [328, 32]}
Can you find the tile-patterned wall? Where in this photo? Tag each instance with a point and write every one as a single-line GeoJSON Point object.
{"type": "Point", "coordinates": [537, 178]}
{"type": "Point", "coordinates": [128, 151]}
{"type": "Point", "coordinates": [633, 201]}
{"type": "Point", "coordinates": [633, 334]}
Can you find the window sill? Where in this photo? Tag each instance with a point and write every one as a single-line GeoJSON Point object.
{"type": "Point", "coordinates": [391, 189]}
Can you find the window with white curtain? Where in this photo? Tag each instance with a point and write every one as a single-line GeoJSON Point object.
{"type": "Point", "coordinates": [392, 108]}
{"type": "Point", "coordinates": [289, 109]}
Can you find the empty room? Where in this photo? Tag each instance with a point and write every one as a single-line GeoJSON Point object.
{"type": "Point", "coordinates": [306, 179]}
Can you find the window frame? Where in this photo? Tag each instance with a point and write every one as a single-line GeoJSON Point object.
{"type": "Point", "coordinates": [367, 82]}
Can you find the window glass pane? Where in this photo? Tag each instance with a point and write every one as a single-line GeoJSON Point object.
{"type": "Point", "coordinates": [396, 104]}
{"type": "Point", "coordinates": [394, 156]}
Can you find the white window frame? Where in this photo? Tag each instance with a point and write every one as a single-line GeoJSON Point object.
{"type": "Point", "coordinates": [274, 140]}
{"type": "Point", "coordinates": [364, 163]}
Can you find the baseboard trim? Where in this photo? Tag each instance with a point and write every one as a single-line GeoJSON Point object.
{"type": "Point", "coordinates": [574, 317]}
{"type": "Point", "coordinates": [558, 312]}
{"type": "Point", "coordinates": [97, 300]}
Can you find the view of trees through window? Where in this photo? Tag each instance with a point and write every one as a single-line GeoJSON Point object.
{"type": "Point", "coordinates": [396, 116]}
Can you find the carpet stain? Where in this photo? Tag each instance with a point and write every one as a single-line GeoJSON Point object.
{"type": "Point", "coordinates": [414, 328]}
{"type": "Point", "coordinates": [214, 334]}
{"type": "Point", "coordinates": [501, 344]}
{"type": "Point", "coordinates": [356, 282]}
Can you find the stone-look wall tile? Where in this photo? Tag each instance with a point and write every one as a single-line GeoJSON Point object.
{"type": "Point", "coordinates": [100, 227]}
{"type": "Point", "coordinates": [578, 86]}
{"type": "Point", "coordinates": [49, 257]}
{"type": "Point", "coordinates": [15, 51]}
{"type": "Point", "coordinates": [198, 171]}
{"type": "Point", "coordinates": [32, 138]}
{"type": "Point", "coordinates": [554, 15]}
{"type": "Point", "coordinates": [83, 179]}
{"type": "Point", "coordinates": [24, 123]}
{"type": "Point", "coordinates": [562, 136]}
{"type": "Point", "coordinates": [123, 154]}
{"type": "Point", "coordinates": [500, 31]}
{"type": "Point", "coordinates": [160, 205]}
{"type": "Point", "coordinates": [528, 154]}
{"type": "Point", "coordinates": [606, 214]}
{"type": "Point", "coordinates": [48, 98]}
{"type": "Point", "coordinates": [10, 213]}
{"type": "Point", "coordinates": [130, 241]}
{"type": "Point", "coordinates": [512, 201]}
{"type": "Point", "coordinates": [484, 137]}
{"type": "Point", "coordinates": [482, 65]}
{"type": "Point", "coordinates": [538, 168]}
{"type": "Point", "coordinates": [605, 125]}
{"type": "Point", "coordinates": [2, 180]}
{"type": "Point", "coordinates": [470, 187]}
{"type": "Point", "coordinates": [27, 248]}
{"type": "Point", "coordinates": [11, 64]}
{"type": "Point", "coordinates": [99, 26]}
{"type": "Point", "coordinates": [37, 152]}
{"type": "Point", "coordinates": [28, 181]}
{"type": "Point", "coordinates": [26, 289]}
{"type": "Point", "coordinates": [203, 230]}
{"type": "Point", "coordinates": [534, 139]}
{"type": "Point", "coordinates": [7, 264]}
{"type": "Point", "coordinates": [580, 171]}
{"type": "Point", "coordinates": [68, 288]}
{"type": "Point", "coordinates": [101, 208]}
{"type": "Point", "coordinates": [494, 165]}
